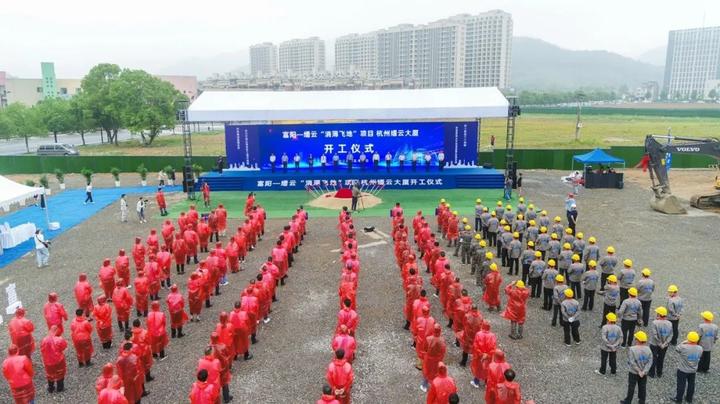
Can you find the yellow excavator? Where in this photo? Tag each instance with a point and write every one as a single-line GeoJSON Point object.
{"type": "Point", "coordinates": [663, 200]}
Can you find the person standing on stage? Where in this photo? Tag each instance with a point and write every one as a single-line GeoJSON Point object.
{"type": "Point", "coordinates": [355, 196]}
{"type": "Point", "coordinates": [441, 160]}
{"type": "Point", "coordinates": [349, 161]}
{"type": "Point", "coordinates": [376, 160]}
{"type": "Point", "coordinates": [388, 161]}
{"type": "Point", "coordinates": [414, 157]}
{"type": "Point", "coordinates": [335, 160]}
{"type": "Point", "coordinates": [296, 160]}
{"type": "Point", "coordinates": [311, 161]}
{"type": "Point", "coordinates": [363, 161]}
{"type": "Point", "coordinates": [284, 160]}
{"type": "Point", "coordinates": [428, 160]}
{"type": "Point", "coordinates": [401, 160]}
{"type": "Point", "coordinates": [323, 161]}
{"type": "Point", "coordinates": [272, 161]}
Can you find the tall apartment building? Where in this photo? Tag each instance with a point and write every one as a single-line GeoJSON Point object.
{"type": "Point", "coordinates": [693, 58]}
{"type": "Point", "coordinates": [301, 57]}
{"type": "Point", "coordinates": [49, 84]}
{"type": "Point", "coordinates": [357, 55]}
{"type": "Point", "coordinates": [263, 60]}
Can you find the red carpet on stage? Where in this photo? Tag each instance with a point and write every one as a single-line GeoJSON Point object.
{"type": "Point", "coordinates": [344, 193]}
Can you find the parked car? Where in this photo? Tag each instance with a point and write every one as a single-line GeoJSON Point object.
{"type": "Point", "coordinates": [57, 149]}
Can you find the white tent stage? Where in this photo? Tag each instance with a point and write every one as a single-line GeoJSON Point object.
{"type": "Point", "coordinates": [12, 192]}
{"type": "Point", "coordinates": [351, 105]}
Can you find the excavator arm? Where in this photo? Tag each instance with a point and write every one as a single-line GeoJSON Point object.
{"type": "Point", "coordinates": [663, 200]}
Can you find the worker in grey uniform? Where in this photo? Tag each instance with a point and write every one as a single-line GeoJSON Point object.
{"type": "Point", "coordinates": [484, 269]}
{"type": "Point", "coordinates": [626, 279]}
{"type": "Point", "coordinates": [575, 273]}
{"type": "Point", "coordinates": [499, 210]}
{"type": "Point", "coordinates": [554, 247]}
{"type": "Point", "coordinates": [689, 357]}
{"type": "Point", "coordinates": [537, 268]}
{"type": "Point", "coordinates": [544, 220]}
{"type": "Point", "coordinates": [543, 242]}
{"type": "Point", "coordinates": [565, 259]}
{"type": "Point", "coordinates": [568, 237]}
{"type": "Point", "coordinates": [478, 256]}
{"type": "Point", "coordinates": [526, 258]}
{"type": "Point", "coordinates": [507, 238]}
{"type": "Point", "coordinates": [557, 227]}
{"type": "Point", "coordinates": [520, 225]}
{"type": "Point", "coordinates": [549, 279]}
{"type": "Point", "coordinates": [532, 231]}
{"type": "Point", "coordinates": [478, 214]}
{"type": "Point", "coordinates": [492, 229]}
{"type": "Point", "coordinates": [661, 333]}
{"type": "Point", "coordinates": [591, 252]}
{"type": "Point", "coordinates": [484, 219]}
{"type": "Point", "coordinates": [645, 287]}
{"type": "Point", "coordinates": [675, 309]}
{"type": "Point", "coordinates": [509, 215]}
{"type": "Point", "coordinates": [578, 246]}
{"type": "Point", "coordinates": [639, 359]}
{"type": "Point", "coordinates": [514, 251]}
{"type": "Point", "coordinates": [469, 252]}
{"type": "Point", "coordinates": [570, 309]}
{"type": "Point", "coordinates": [630, 313]}
{"type": "Point", "coordinates": [590, 281]}
{"type": "Point", "coordinates": [466, 236]}
{"type": "Point", "coordinates": [607, 265]}
{"type": "Point", "coordinates": [708, 337]}
{"type": "Point", "coordinates": [611, 296]}
{"type": "Point", "coordinates": [557, 297]}
{"type": "Point", "coordinates": [531, 214]}
{"type": "Point", "coordinates": [611, 337]}
{"type": "Point", "coordinates": [521, 208]}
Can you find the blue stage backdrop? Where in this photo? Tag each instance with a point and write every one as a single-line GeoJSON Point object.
{"type": "Point", "coordinates": [250, 146]}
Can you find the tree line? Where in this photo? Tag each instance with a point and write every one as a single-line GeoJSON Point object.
{"type": "Point", "coordinates": [563, 97]}
{"type": "Point", "coordinates": [110, 98]}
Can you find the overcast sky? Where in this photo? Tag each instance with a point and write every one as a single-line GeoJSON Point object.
{"type": "Point", "coordinates": [157, 34]}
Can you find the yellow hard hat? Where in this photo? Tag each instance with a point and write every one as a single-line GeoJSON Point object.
{"type": "Point", "coordinates": [551, 263]}
{"type": "Point", "coordinates": [442, 200]}
{"type": "Point", "coordinates": [499, 203]}
{"type": "Point", "coordinates": [478, 237]}
{"type": "Point", "coordinates": [567, 246]}
{"type": "Point", "coordinates": [506, 228]}
{"type": "Point", "coordinates": [467, 227]}
{"type": "Point", "coordinates": [520, 284]}
{"type": "Point", "coordinates": [531, 206]}
{"type": "Point", "coordinates": [532, 222]}
{"type": "Point", "coordinates": [464, 220]}
{"type": "Point", "coordinates": [455, 212]}
{"type": "Point", "coordinates": [580, 236]}
{"type": "Point", "coordinates": [611, 317]}
{"type": "Point", "coordinates": [493, 214]}
{"type": "Point", "coordinates": [521, 199]}
{"type": "Point", "coordinates": [543, 229]}
{"type": "Point", "coordinates": [592, 263]}
{"type": "Point", "coordinates": [483, 243]}
{"type": "Point", "coordinates": [569, 293]}
{"type": "Point", "coordinates": [508, 207]}
{"type": "Point", "coordinates": [641, 336]}
{"type": "Point", "coordinates": [489, 255]}
{"type": "Point", "coordinates": [575, 257]}
{"type": "Point", "coordinates": [447, 205]}
{"type": "Point", "coordinates": [707, 315]}
{"type": "Point", "coordinates": [568, 231]}
{"type": "Point", "coordinates": [520, 216]}
{"type": "Point", "coordinates": [646, 272]}
{"type": "Point", "coordinates": [485, 209]}
{"type": "Point", "coordinates": [612, 278]}
{"type": "Point", "coordinates": [661, 311]}
{"type": "Point", "coordinates": [503, 222]}
{"type": "Point", "coordinates": [538, 254]}
{"type": "Point", "coordinates": [627, 262]}
{"type": "Point", "coordinates": [611, 250]}
{"type": "Point", "coordinates": [592, 240]}
{"type": "Point", "coordinates": [554, 236]}
{"type": "Point", "coordinates": [478, 200]}
{"type": "Point", "coordinates": [493, 267]}
{"type": "Point", "coordinates": [632, 292]}
{"type": "Point", "coordinates": [544, 213]}
{"type": "Point", "coordinates": [516, 235]}
{"type": "Point", "coordinates": [557, 219]}
{"type": "Point", "coordinates": [531, 243]}
{"type": "Point", "coordinates": [559, 278]}
{"type": "Point", "coordinates": [693, 336]}
{"type": "Point", "coordinates": [672, 289]}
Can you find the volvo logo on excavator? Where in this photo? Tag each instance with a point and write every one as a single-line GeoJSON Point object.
{"type": "Point", "coordinates": [688, 149]}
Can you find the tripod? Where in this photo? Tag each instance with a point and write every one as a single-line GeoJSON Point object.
{"type": "Point", "coordinates": [362, 202]}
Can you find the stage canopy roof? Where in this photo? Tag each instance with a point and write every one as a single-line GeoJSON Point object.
{"type": "Point", "coordinates": [368, 105]}
{"type": "Point", "coordinates": [13, 192]}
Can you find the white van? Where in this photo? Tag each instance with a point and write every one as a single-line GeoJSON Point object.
{"type": "Point", "coordinates": [57, 149]}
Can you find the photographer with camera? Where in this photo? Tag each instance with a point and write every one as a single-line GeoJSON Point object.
{"type": "Point", "coordinates": [140, 208]}
{"type": "Point", "coordinates": [41, 249]}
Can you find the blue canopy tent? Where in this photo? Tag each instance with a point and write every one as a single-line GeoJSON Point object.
{"type": "Point", "coordinates": [597, 156]}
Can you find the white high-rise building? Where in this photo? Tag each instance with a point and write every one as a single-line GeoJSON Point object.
{"type": "Point", "coordinates": [693, 59]}
{"type": "Point", "coordinates": [357, 55]}
{"type": "Point", "coordinates": [263, 60]}
{"type": "Point", "coordinates": [302, 57]}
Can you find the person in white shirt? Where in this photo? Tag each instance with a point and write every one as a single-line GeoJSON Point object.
{"type": "Point", "coordinates": [140, 208]}
{"type": "Point", "coordinates": [41, 249]}
{"type": "Point", "coordinates": [123, 209]}
{"type": "Point", "coordinates": [161, 178]}
{"type": "Point", "coordinates": [272, 161]}
{"type": "Point", "coordinates": [296, 160]}
{"type": "Point", "coordinates": [401, 160]}
{"type": "Point", "coordinates": [349, 161]}
{"type": "Point", "coordinates": [441, 160]}
{"type": "Point", "coordinates": [414, 158]}
{"type": "Point", "coordinates": [284, 160]}
{"type": "Point", "coordinates": [388, 161]}
{"type": "Point", "coordinates": [363, 161]}
{"type": "Point", "coordinates": [376, 160]}
{"type": "Point", "coordinates": [323, 161]}
{"type": "Point", "coordinates": [336, 160]}
{"type": "Point", "coordinates": [428, 160]}
{"type": "Point", "coordinates": [88, 194]}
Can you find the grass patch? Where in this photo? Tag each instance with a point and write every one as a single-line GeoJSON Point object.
{"type": "Point", "coordinates": [203, 143]}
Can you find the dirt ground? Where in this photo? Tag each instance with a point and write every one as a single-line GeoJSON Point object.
{"type": "Point", "coordinates": [683, 183]}
{"type": "Point", "coordinates": [294, 348]}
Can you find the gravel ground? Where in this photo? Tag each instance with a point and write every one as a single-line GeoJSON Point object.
{"type": "Point", "coordinates": [294, 348]}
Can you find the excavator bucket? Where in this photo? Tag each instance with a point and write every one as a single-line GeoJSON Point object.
{"type": "Point", "coordinates": [667, 204]}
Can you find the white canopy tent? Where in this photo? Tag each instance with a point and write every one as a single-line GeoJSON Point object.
{"type": "Point", "coordinates": [12, 192]}
{"type": "Point", "coordinates": [368, 105]}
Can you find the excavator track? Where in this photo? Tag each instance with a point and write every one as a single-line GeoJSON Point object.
{"type": "Point", "coordinates": [706, 201]}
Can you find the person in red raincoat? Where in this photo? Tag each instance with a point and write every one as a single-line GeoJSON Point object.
{"type": "Point", "coordinates": [179, 251]}
{"type": "Point", "coordinates": [280, 259]}
{"type": "Point", "coordinates": [160, 199]}
{"type": "Point", "coordinates": [461, 308]}
{"type": "Point", "coordinates": [327, 397]}
{"type": "Point", "coordinates": [153, 243]}
{"type": "Point", "coordinates": [154, 275]}
{"type": "Point", "coordinates": [81, 333]}
{"type": "Point", "coordinates": [157, 329]}
{"type": "Point", "coordinates": [424, 327]}
{"type": "Point", "coordinates": [141, 348]}
{"type": "Point", "coordinates": [346, 342]}
{"type": "Point", "coordinates": [495, 375]}
{"type": "Point", "coordinates": [348, 317]}
{"type": "Point", "coordinates": [264, 298]}
{"type": "Point", "coordinates": [347, 289]}
{"type": "Point", "coordinates": [203, 232]}
{"type": "Point", "coordinates": [517, 295]}
{"type": "Point", "coordinates": [249, 202]}
{"type": "Point", "coordinates": [18, 372]}
{"type": "Point", "coordinates": [191, 244]}
{"type": "Point", "coordinates": [417, 306]}
{"type": "Point", "coordinates": [233, 255]}
{"type": "Point", "coordinates": [508, 392]}
{"type": "Point", "coordinates": [129, 369]}
{"type": "Point", "coordinates": [108, 371]}
{"type": "Point", "coordinates": [53, 349]}
{"type": "Point", "coordinates": [223, 354]}
{"type": "Point", "coordinates": [203, 392]}
{"type": "Point", "coordinates": [103, 316]}
{"type": "Point", "coordinates": [193, 217]}
{"type": "Point", "coordinates": [492, 282]}
{"type": "Point", "coordinates": [168, 234]}
{"type": "Point", "coordinates": [484, 345]}
{"type": "Point", "coordinates": [435, 349]}
{"type": "Point", "coordinates": [142, 294]}
{"type": "Point", "coordinates": [83, 294]}
{"type": "Point", "coordinates": [213, 225]}
{"type": "Point", "coordinates": [212, 366]}
{"type": "Point", "coordinates": [441, 387]}
{"type": "Point", "coordinates": [112, 393]}
{"type": "Point", "coordinates": [176, 308]}
{"type": "Point", "coordinates": [221, 214]}
{"type": "Point", "coordinates": [249, 304]}
{"type": "Point", "coordinates": [240, 332]}
{"type": "Point", "coordinates": [21, 330]}
{"type": "Point", "coordinates": [123, 303]}
{"type": "Point", "coordinates": [412, 293]}
{"type": "Point", "coordinates": [205, 189]}
{"type": "Point", "coordinates": [471, 326]}
{"type": "Point", "coordinates": [54, 312]}
{"type": "Point", "coordinates": [122, 266]}
{"type": "Point", "coordinates": [164, 261]}
{"type": "Point", "coordinates": [107, 278]}
{"type": "Point", "coordinates": [138, 253]}
{"type": "Point", "coordinates": [340, 376]}
{"type": "Point", "coordinates": [195, 296]}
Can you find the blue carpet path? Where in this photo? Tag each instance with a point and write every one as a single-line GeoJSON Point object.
{"type": "Point", "coordinates": [68, 209]}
